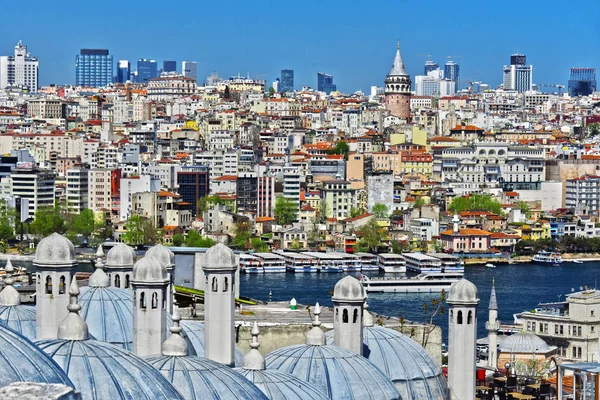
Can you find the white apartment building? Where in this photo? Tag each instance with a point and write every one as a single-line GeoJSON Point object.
{"type": "Point", "coordinates": [339, 198]}
{"type": "Point", "coordinates": [77, 190]}
{"type": "Point", "coordinates": [291, 183]}
{"type": "Point", "coordinates": [138, 184]}
{"type": "Point", "coordinates": [220, 140]}
{"type": "Point", "coordinates": [100, 185]}
{"type": "Point", "coordinates": [219, 162]}
{"type": "Point", "coordinates": [20, 69]}
{"type": "Point", "coordinates": [35, 185]}
{"type": "Point", "coordinates": [59, 143]}
{"type": "Point", "coordinates": [45, 108]}
{"type": "Point", "coordinates": [169, 87]}
{"type": "Point", "coordinates": [583, 194]}
{"type": "Point", "coordinates": [424, 229]}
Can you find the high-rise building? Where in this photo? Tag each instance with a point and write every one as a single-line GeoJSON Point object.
{"type": "Point", "coordinates": [21, 69]}
{"type": "Point", "coordinates": [169, 66]}
{"type": "Point", "coordinates": [287, 81]}
{"type": "Point", "coordinates": [582, 81]}
{"type": "Point", "coordinates": [93, 68]}
{"type": "Point", "coordinates": [246, 191]}
{"type": "Point", "coordinates": [397, 88]}
{"type": "Point", "coordinates": [123, 71]}
{"type": "Point", "coordinates": [77, 189]}
{"type": "Point", "coordinates": [518, 76]}
{"type": "Point", "coordinates": [430, 66]}
{"type": "Point", "coordinates": [193, 184]}
{"type": "Point", "coordinates": [452, 73]}
{"type": "Point", "coordinates": [33, 184]}
{"type": "Point", "coordinates": [146, 69]}
{"type": "Point", "coordinates": [189, 69]}
{"type": "Point", "coordinates": [325, 83]}
{"type": "Point", "coordinates": [434, 84]}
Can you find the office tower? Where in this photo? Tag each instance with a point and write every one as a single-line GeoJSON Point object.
{"type": "Point", "coordinates": [582, 81]}
{"type": "Point", "coordinates": [146, 69]}
{"type": "Point", "coordinates": [452, 73]}
{"type": "Point", "coordinates": [169, 66]}
{"type": "Point", "coordinates": [189, 69]}
{"type": "Point", "coordinates": [123, 71]}
{"type": "Point", "coordinates": [277, 85]}
{"type": "Point", "coordinates": [93, 68]}
{"type": "Point", "coordinates": [193, 184]}
{"type": "Point", "coordinates": [20, 70]}
{"type": "Point", "coordinates": [325, 83]}
{"type": "Point", "coordinates": [434, 84]}
{"type": "Point", "coordinates": [518, 76]}
{"type": "Point", "coordinates": [287, 81]}
{"type": "Point", "coordinates": [246, 193]}
{"type": "Point", "coordinates": [397, 89]}
{"type": "Point", "coordinates": [430, 66]}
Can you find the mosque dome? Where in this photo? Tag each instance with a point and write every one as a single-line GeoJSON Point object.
{"type": "Point", "coordinates": [406, 363]}
{"type": "Point", "coordinates": [149, 269]}
{"type": "Point", "coordinates": [524, 342]}
{"type": "Point", "coordinates": [162, 254]}
{"type": "Point", "coordinates": [193, 333]}
{"type": "Point", "coordinates": [120, 256]}
{"type": "Point", "coordinates": [55, 250]}
{"type": "Point", "coordinates": [22, 361]}
{"type": "Point", "coordinates": [219, 257]}
{"type": "Point", "coordinates": [21, 319]}
{"type": "Point", "coordinates": [463, 291]}
{"type": "Point", "coordinates": [349, 289]}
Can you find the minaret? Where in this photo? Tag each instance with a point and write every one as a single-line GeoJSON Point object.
{"type": "Point", "coordinates": [492, 326]}
{"type": "Point", "coordinates": [397, 89]}
{"type": "Point", "coordinates": [462, 340]}
{"type": "Point", "coordinates": [119, 265]}
{"type": "Point", "coordinates": [219, 304]}
{"type": "Point", "coordinates": [55, 264]}
{"type": "Point", "coordinates": [456, 222]}
{"type": "Point", "coordinates": [150, 282]}
{"type": "Point", "coordinates": [348, 302]}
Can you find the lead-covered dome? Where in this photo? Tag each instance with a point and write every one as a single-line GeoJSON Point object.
{"type": "Point", "coordinates": [149, 269]}
{"type": "Point", "coordinates": [463, 291]}
{"type": "Point", "coordinates": [349, 289]}
{"type": "Point", "coordinates": [277, 385]}
{"type": "Point", "coordinates": [524, 342]}
{"type": "Point", "coordinates": [21, 319]}
{"type": "Point", "coordinates": [162, 253]}
{"type": "Point", "coordinates": [120, 256]}
{"type": "Point", "coordinates": [55, 250]}
{"type": "Point", "coordinates": [193, 333]}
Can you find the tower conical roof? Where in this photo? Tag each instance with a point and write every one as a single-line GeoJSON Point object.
{"type": "Point", "coordinates": [493, 302]}
{"type": "Point", "coordinates": [398, 66]}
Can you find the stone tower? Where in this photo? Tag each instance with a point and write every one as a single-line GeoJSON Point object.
{"type": "Point", "coordinates": [219, 270]}
{"type": "Point", "coordinates": [492, 326]}
{"type": "Point", "coordinates": [397, 89]}
{"type": "Point", "coordinates": [119, 265]}
{"type": "Point", "coordinates": [348, 302]}
{"type": "Point", "coordinates": [167, 258]}
{"type": "Point", "coordinates": [55, 264]}
{"type": "Point", "coordinates": [462, 337]}
{"type": "Point", "coordinates": [150, 283]}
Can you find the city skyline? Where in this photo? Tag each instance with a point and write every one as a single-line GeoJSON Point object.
{"type": "Point", "coordinates": [359, 60]}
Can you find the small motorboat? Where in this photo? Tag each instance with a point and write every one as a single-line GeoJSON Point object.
{"type": "Point", "coordinates": [577, 262]}
{"type": "Point", "coordinates": [488, 265]}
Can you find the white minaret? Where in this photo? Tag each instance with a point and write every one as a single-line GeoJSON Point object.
{"type": "Point", "coordinates": [348, 302]}
{"type": "Point", "coordinates": [219, 270]}
{"type": "Point", "coordinates": [167, 258]}
{"type": "Point", "coordinates": [150, 282]}
{"type": "Point", "coordinates": [456, 222]}
{"type": "Point", "coordinates": [119, 265]}
{"type": "Point", "coordinates": [55, 264]}
{"type": "Point", "coordinates": [462, 340]}
{"type": "Point", "coordinates": [492, 326]}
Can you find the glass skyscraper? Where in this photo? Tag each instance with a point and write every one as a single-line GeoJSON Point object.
{"type": "Point", "coordinates": [146, 69]}
{"type": "Point", "coordinates": [452, 73]}
{"type": "Point", "coordinates": [582, 81]}
{"type": "Point", "coordinates": [287, 81]}
{"type": "Point", "coordinates": [169, 66]}
{"type": "Point", "coordinates": [325, 83]}
{"type": "Point", "coordinates": [123, 71]}
{"type": "Point", "coordinates": [93, 68]}
{"type": "Point", "coordinates": [430, 66]}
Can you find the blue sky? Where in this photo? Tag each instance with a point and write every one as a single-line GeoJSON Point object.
{"type": "Point", "coordinates": [353, 40]}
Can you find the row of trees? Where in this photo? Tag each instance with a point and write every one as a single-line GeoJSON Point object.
{"type": "Point", "coordinates": [476, 201]}
{"type": "Point", "coordinates": [566, 244]}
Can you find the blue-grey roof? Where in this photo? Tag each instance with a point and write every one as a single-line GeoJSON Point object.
{"type": "Point", "coordinates": [200, 378]}
{"type": "Point", "coordinates": [22, 361]}
{"type": "Point", "coordinates": [102, 371]}
{"type": "Point", "coordinates": [337, 372]}
{"type": "Point", "coordinates": [406, 363]}
{"type": "Point", "coordinates": [20, 319]}
{"type": "Point", "coordinates": [277, 385]}
{"type": "Point", "coordinates": [193, 333]}
{"type": "Point", "coordinates": [524, 342]}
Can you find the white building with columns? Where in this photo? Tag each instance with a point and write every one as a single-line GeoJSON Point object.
{"type": "Point", "coordinates": [20, 69]}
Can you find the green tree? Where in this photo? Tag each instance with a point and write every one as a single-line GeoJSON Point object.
{"type": "Point", "coordinates": [208, 203]}
{"type": "Point", "coordinates": [271, 91]}
{"type": "Point", "coordinates": [241, 235]}
{"type": "Point", "coordinates": [84, 223]}
{"type": "Point", "coordinates": [139, 231]}
{"type": "Point", "coordinates": [48, 220]}
{"type": "Point", "coordinates": [178, 239]}
{"type": "Point", "coordinates": [322, 211]}
{"type": "Point", "coordinates": [258, 245]}
{"type": "Point", "coordinates": [399, 247]}
{"type": "Point", "coordinates": [524, 207]}
{"type": "Point", "coordinates": [286, 211]}
{"type": "Point", "coordinates": [341, 148]}
{"type": "Point", "coordinates": [195, 240]}
{"type": "Point", "coordinates": [419, 202]}
{"type": "Point", "coordinates": [380, 211]}
{"type": "Point", "coordinates": [476, 202]}
{"type": "Point", "coordinates": [356, 211]}
{"type": "Point", "coordinates": [594, 129]}
{"type": "Point", "coordinates": [227, 93]}
{"type": "Point", "coordinates": [296, 245]}
{"type": "Point", "coordinates": [371, 236]}
{"type": "Point", "coordinates": [7, 221]}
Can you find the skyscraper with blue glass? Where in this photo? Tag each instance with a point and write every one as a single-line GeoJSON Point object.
{"type": "Point", "coordinates": [325, 83]}
{"type": "Point", "coordinates": [123, 71]}
{"type": "Point", "coordinates": [452, 73]}
{"type": "Point", "coordinates": [287, 81]}
{"type": "Point", "coordinates": [93, 68]}
{"type": "Point", "coordinates": [146, 69]}
{"type": "Point", "coordinates": [169, 66]}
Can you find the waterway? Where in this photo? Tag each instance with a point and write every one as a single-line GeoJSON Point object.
{"type": "Point", "coordinates": [518, 288]}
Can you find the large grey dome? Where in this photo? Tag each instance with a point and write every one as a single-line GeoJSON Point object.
{"type": "Point", "coordinates": [219, 257]}
{"type": "Point", "coordinates": [162, 254]}
{"type": "Point", "coordinates": [55, 250]}
{"type": "Point", "coordinates": [22, 361]}
{"type": "Point", "coordinates": [406, 363]}
{"type": "Point", "coordinates": [21, 319]}
{"type": "Point", "coordinates": [193, 333]}
{"type": "Point", "coordinates": [103, 371]}
{"type": "Point", "coordinates": [349, 289]}
{"type": "Point", "coordinates": [149, 269]}
{"type": "Point", "coordinates": [277, 385]}
{"type": "Point", "coordinates": [201, 378]}
{"type": "Point", "coordinates": [120, 256]}
{"type": "Point", "coordinates": [463, 291]}
{"type": "Point", "coordinates": [524, 342]}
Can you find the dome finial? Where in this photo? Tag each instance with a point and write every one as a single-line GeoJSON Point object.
{"type": "Point", "coordinates": [315, 336]}
{"type": "Point", "coordinates": [9, 295]}
{"type": "Point", "coordinates": [73, 327]}
{"type": "Point", "coordinates": [253, 359]}
{"type": "Point", "coordinates": [99, 278]}
{"type": "Point", "coordinates": [175, 344]}
{"type": "Point", "coordinates": [398, 44]}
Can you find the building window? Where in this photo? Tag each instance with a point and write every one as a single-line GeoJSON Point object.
{"type": "Point", "coordinates": [143, 301]}
{"type": "Point", "coordinates": [345, 316]}
{"type": "Point", "coordinates": [61, 285]}
{"type": "Point", "coordinates": [117, 281]}
{"type": "Point", "coordinates": [127, 283]}
{"type": "Point", "coordinates": [574, 352]}
{"type": "Point", "coordinates": [225, 284]}
{"type": "Point", "coordinates": [470, 318]}
{"type": "Point", "coordinates": [579, 331]}
{"type": "Point", "coordinates": [214, 284]}
{"type": "Point", "coordinates": [579, 352]}
{"type": "Point", "coordinates": [459, 318]}
{"type": "Point", "coordinates": [48, 285]}
{"type": "Point", "coordinates": [154, 300]}
{"type": "Point", "coordinates": [355, 316]}
{"type": "Point", "coordinates": [556, 329]}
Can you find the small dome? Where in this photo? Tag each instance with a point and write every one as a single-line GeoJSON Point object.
{"type": "Point", "coordinates": [200, 378]}
{"type": "Point", "coordinates": [103, 371]}
{"type": "Point", "coordinates": [120, 256]}
{"type": "Point", "coordinates": [55, 250]}
{"type": "Point", "coordinates": [193, 333]}
{"type": "Point", "coordinates": [349, 289]}
{"type": "Point", "coordinates": [463, 291]}
{"type": "Point", "coordinates": [277, 385]}
{"type": "Point", "coordinates": [407, 364]}
{"type": "Point", "coordinates": [21, 319]}
{"type": "Point", "coordinates": [219, 257]}
{"type": "Point", "coordinates": [149, 269]}
{"type": "Point", "coordinates": [22, 361]}
{"type": "Point", "coordinates": [337, 372]}
{"type": "Point", "coordinates": [524, 342]}
{"type": "Point", "coordinates": [162, 254]}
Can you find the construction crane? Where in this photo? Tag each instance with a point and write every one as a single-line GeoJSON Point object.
{"type": "Point", "coordinates": [559, 87]}
{"type": "Point", "coordinates": [428, 55]}
{"type": "Point", "coordinates": [449, 57]}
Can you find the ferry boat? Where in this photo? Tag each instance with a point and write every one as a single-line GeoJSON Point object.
{"type": "Point", "coordinates": [299, 262]}
{"type": "Point", "coordinates": [325, 262]}
{"type": "Point", "coordinates": [449, 263]}
{"type": "Point", "coordinates": [250, 264]}
{"type": "Point", "coordinates": [547, 257]}
{"type": "Point", "coordinates": [422, 283]}
{"type": "Point", "coordinates": [391, 263]}
{"type": "Point", "coordinates": [271, 262]}
{"type": "Point", "coordinates": [368, 261]}
{"type": "Point", "coordinates": [419, 262]}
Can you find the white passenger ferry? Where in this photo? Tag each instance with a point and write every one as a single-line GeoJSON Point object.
{"type": "Point", "coordinates": [326, 262]}
{"type": "Point", "coordinates": [422, 283]}
{"type": "Point", "coordinates": [391, 262]}
{"type": "Point", "coordinates": [299, 262]}
{"type": "Point", "coordinates": [547, 257]}
{"type": "Point", "coordinates": [250, 264]}
{"type": "Point", "coordinates": [449, 262]}
{"type": "Point", "coordinates": [271, 262]}
{"type": "Point", "coordinates": [368, 261]}
{"type": "Point", "coordinates": [419, 262]}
